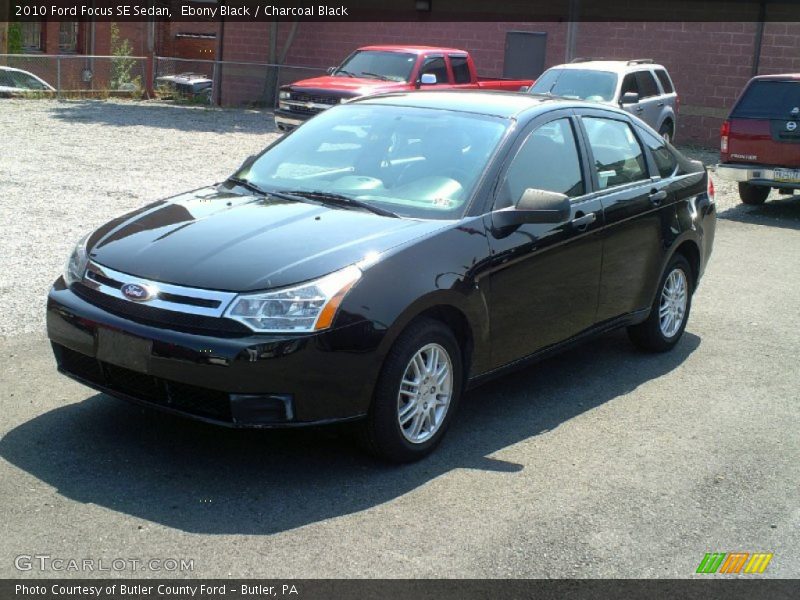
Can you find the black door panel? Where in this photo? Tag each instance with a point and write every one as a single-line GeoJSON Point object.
{"type": "Point", "coordinates": [544, 277]}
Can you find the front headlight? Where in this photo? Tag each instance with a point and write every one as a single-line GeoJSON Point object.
{"type": "Point", "coordinates": [284, 95]}
{"type": "Point", "coordinates": [76, 265]}
{"type": "Point", "coordinates": [301, 309]}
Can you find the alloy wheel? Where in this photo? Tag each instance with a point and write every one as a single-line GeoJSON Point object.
{"type": "Point", "coordinates": [425, 393]}
{"type": "Point", "coordinates": [672, 308]}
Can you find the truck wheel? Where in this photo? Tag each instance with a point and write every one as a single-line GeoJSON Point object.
{"type": "Point", "coordinates": [670, 310]}
{"type": "Point", "coordinates": [753, 194]}
{"type": "Point", "coordinates": [416, 395]}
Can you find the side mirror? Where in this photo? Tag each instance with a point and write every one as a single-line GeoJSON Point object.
{"type": "Point", "coordinates": [427, 79]}
{"type": "Point", "coordinates": [524, 88]}
{"type": "Point", "coordinates": [535, 206]}
{"type": "Point", "coordinates": [331, 70]}
{"type": "Point", "coordinates": [629, 98]}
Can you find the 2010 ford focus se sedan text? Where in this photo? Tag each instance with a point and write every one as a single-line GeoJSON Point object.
{"type": "Point", "coordinates": [388, 254]}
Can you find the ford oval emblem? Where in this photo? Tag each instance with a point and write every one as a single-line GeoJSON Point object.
{"type": "Point", "coordinates": [136, 292]}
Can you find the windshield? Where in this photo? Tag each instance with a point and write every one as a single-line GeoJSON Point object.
{"type": "Point", "coordinates": [582, 84]}
{"type": "Point", "coordinates": [767, 99]}
{"type": "Point", "coordinates": [414, 162]}
{"type": "Point", "coordinates": [20, 80]}
{"type": "Point", "coordinates": [393, 66]}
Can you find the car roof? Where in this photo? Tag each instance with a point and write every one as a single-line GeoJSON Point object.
{"type": "Point", "coordinates": [614, 66]}
{"type": "Point", "coordinates": [3, 68]}
{"type": "Point", "coordinates": [507, 105]}
{"type": "Point", "coordinates": [778, 76]}
{"type": "Point", "coordinates": [411, 49]}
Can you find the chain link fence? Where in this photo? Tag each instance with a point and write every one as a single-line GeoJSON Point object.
{"type": "Point", "coordinates": [75, 75]}
{"type": "Point", "coordinates": [226, 83]}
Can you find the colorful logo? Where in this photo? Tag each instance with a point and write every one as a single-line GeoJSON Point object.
{"type": "Point", "coordinates": [734, 562]}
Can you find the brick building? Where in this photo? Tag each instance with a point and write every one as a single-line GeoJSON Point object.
{"type": "Point", "coordinates": [709, 62]}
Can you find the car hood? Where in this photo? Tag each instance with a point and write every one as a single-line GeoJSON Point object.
{"type": "Point", "coordinates": [350, 86]}
{"type": "Point", "coordinates": [219, 240]}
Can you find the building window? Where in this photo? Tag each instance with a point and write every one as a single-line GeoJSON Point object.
{"type": "Point", "coordinates": [31, 35]}
{"type": "Point", "coordinates": [68, 36]}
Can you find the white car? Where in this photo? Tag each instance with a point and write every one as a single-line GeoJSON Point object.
{"type": "Point", "coordinates": [639, 87]}
{"type": "Point", "coordinates": [16, 81]}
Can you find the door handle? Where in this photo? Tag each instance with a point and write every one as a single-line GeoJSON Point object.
{"type": "Point", "coordinates": [582, 221]}
{"type": "Point", "coordinates": [661, 104]}
{"type": "Point", "coordinates": [639, 109]}
{"type": "Point", "coordinates": [658, 197]}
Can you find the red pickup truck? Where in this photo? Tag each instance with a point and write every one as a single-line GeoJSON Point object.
{"type": "Point", "coordinates": [760, 139]}
{"type": "Point", "coordinates": [378, 69]}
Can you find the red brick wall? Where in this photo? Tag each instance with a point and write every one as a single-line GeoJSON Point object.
{"type": "Point", "coordinates": [709, 62]}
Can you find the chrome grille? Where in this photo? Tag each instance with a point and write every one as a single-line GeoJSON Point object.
{"type": "Point", "coordinates": [166, 296]}
{"type": "Point", "coordinates": [314, 98]}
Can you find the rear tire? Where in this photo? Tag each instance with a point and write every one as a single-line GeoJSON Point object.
{"type": "Point", "coordinates": [753, 194]}
{"type": "Point", "coordinates": [670, 311]}
{"type": "Point", "coordinates": [667, 132]}
{"type": "Point", "coordinates": [407, 394]}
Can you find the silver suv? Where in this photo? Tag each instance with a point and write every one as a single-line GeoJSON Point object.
{"type": "Point", "coordinates": [640, 87]}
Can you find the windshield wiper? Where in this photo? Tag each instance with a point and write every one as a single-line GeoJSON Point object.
{"type": "Point", "coordinates": [377, 75]}
{"type": "Point", "coordinates": [340, 200]}
{"type": "Point", "coordinates": [248, 185]}
{"type": "Point", "coordinates": [348, 73]}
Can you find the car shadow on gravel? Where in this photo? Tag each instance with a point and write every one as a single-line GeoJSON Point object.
{"type": "Point", "coordinates": [205, 479]}
{"type": "Point", "coordinates": [166, 116]}
{"type": "Point", "coordinates": [778, 211]}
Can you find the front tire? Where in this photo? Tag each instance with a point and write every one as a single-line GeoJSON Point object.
{"type": "Point", "coordinates": [753, 194]}
{"type": "Point", "coordinates": [416, 395]}
{"type": "Point", "coordinates": [670, 310]}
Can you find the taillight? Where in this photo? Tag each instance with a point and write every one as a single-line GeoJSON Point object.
{"type": "Point", "coordinates": [710, 189]}
{"type": "Point", "coordinates": [724, 132]}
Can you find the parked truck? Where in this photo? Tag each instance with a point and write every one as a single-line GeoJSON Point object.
{"type": "Point", "coordinates": [378, 69]}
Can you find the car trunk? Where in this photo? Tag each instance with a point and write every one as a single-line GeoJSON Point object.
{"type": "Point", "coordinates": [764, 126]}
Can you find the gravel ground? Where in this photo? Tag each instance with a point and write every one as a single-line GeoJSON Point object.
{"type": "Point", "coordinates": [68, 167]}
{"type": "Point", "coordinates": [74, 165]}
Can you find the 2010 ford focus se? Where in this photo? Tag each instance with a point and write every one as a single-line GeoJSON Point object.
{"type": "Point", "coordinates": [385, 256]}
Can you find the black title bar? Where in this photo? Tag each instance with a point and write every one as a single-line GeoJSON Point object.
{"type": "Point", "coordinates": [406, 10]}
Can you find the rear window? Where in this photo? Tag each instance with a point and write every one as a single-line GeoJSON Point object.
{"type": "Point", "coordinates": [765, 99]}
{"type": "Point", "coordinates": [665, 81]}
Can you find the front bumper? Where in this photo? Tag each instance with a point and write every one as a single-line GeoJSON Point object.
{"type": "Point", "coordinates": [286, 121]}
{"type": "Point", "coordinates": [250, 380]}
{"type": "Point", "coordinates": [752, 174]}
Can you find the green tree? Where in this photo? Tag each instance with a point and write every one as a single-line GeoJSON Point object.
{"type": "Point", "coordinates": [122, 68]}
{"type": "Point", "coordinates": [14, 38]}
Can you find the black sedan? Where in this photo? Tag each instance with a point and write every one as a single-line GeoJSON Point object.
{"type": "Point", "coordinates": [384, 257]}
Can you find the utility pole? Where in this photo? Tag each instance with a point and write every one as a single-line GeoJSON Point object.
{"type": "Point", "coordinates": [572, 30]}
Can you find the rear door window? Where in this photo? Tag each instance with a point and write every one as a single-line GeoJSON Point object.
{"type": "Point", "coordinates": [665, 160]}
{"type": "Point", "coordinates": [665, 81]}
{"type": "Point", "coordinates": [460, 68]}
{"type": "Point", "coordinates": [618, 157]}
{"type": "Point", "coordinates": [766, 99]}
{"type": "Point", "coordinates": [647, 84]}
